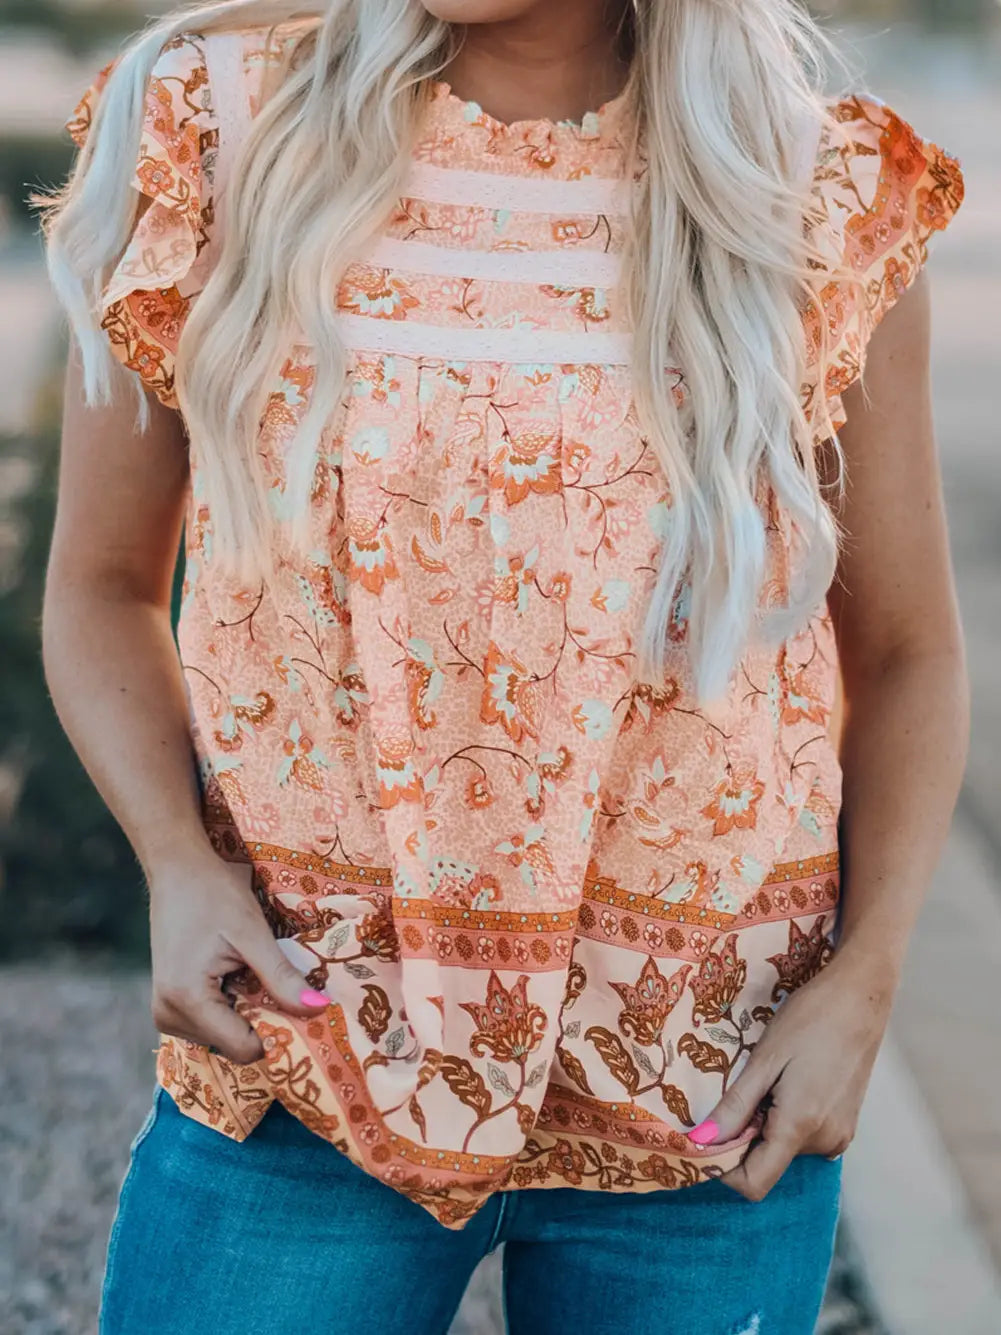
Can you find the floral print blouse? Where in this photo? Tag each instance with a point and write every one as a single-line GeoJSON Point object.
{"type": "Point", "coordinates": [553, 905]}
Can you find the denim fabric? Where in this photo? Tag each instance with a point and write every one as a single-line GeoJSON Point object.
{"type": "Point", "coordinates": [281, 1235]}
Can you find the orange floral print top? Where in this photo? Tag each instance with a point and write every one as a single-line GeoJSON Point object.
{"type": "Point", "coordinates": [553, 905]}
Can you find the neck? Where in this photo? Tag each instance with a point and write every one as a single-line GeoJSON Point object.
{"type": "Point", "coordinates": [558, 61]}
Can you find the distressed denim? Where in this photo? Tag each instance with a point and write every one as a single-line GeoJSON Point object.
{"type": "Point", "coordinates": [281, 1234]}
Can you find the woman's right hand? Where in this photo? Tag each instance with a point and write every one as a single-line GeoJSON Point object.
{"type": "Point", "coordinates": [205, 922]}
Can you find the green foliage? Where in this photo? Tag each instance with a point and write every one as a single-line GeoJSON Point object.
{"type": "Point", "coordinates": [79, 28]}
{"type": "Point", "coordinates": [69, 876]}
{"type": "Point", "coordinates": [28, 161]}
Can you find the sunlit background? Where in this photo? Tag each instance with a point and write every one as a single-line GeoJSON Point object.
{"type": "Point", "coordinates": [919, 1250]}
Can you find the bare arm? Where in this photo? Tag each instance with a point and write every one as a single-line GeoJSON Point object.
{"type": "Point", "coordinates": [115, 679]}
{"type": "Point", "coordinates": [900, 643]}
{"type": "Point", "coordinates": [108, 650]}
{"type": "Point", "coordinates": [903, 754]}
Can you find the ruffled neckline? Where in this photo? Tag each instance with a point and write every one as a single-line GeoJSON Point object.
{"type": "Point", "coordinates": [600, 124]}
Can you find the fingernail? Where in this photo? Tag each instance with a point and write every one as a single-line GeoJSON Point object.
{"type": "Point", "coordinates": [705, 1133]}
{"type": "Point", "coordinates": [310, 997]}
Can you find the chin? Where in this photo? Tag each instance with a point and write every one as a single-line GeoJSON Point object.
{"type": "Point", "coordinates": [478, 11]}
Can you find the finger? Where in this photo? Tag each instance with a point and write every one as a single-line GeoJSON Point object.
{"type": "Point", "coordinates": [287, 985]}
{"type": "Point", "coordinates": [224, 1030]}
{"type": "Point", "coordinates": [764, 1164]}
{"type": "Point", "coordinates": [740, 1102]}
{"type": "Point", "coordinates": [210, 1021]}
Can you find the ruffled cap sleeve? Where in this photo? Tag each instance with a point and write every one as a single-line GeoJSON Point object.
{"type": "Point", "coordinates": [148, 293]}
{"type": "Point", "coordinates": [914, 189]}
{"type": "Point", "coordinates": [888, 192]}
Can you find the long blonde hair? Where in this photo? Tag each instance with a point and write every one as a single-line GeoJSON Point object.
{"type": "Point", "coordinates": [719, 270]}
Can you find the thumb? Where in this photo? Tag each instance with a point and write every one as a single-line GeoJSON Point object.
{"type": "Point", "coordinates": [290, 989]}
{"type": "Point", "coordinates": [739, 1104]}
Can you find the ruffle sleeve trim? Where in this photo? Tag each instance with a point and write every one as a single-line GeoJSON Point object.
{"type": "Point", "coordinates": [888, 191]}
{"type": "Point", "coordinates": [148, 293]}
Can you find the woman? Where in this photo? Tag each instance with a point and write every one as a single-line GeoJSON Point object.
{"type": "Point", "coordinates": [492, 811]}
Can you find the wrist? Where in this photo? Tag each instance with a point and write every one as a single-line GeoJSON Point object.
{"type": "Point", "coordinates": [873, 967]}
{"type": "Point", "coordinates": [190, 849]}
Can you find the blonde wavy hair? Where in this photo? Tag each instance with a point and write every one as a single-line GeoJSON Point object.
{"type": "Point", "coordinates": [719, 271]}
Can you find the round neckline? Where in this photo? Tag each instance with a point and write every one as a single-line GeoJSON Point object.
{"type": "Point", "coordinates": [592, 125]}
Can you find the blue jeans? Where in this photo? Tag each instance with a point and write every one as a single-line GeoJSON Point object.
{"type": "Point", "coordinates": [281, 1234]}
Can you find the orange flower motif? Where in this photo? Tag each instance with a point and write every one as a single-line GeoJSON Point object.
{"type": "Point", "coordinates": [509, 1026]}
{"type": "Point", "coordinates": [649, 1001]}
{"type": "Point", "coordinates": [567, 229]}
{"type": "Point", "coordinates": [370, 557]}
{"type": "Point", "coordinates": [303, 761]}
{"type": "Point", "coordinates": [567, 1163]}
{"type": "Point", "coordinates": [370, 291]}
{"type": "Point", "coordinates": [163, 312]}
{"type": "Point", "coordinates": [542, 157]}
{"type": "Point", "coordinates": [932, 209]}
{"type": "Point", "coordinates": [398, 779]}
{"type": "Point", "coordinates": [700, 882]}
{"type": "Point", "coordinates": [232, 788]}
{"type": "Point", "coordinates": [655, 1168]}
{"type": "Point", "coordinates": [560, 587]}
{"type": "Point", "coordinates": [156, 176]}
{"type": "Point", "coordinates": [510, 697]}
{"type": "Point", "coordinates": [735, 804]}
{"type": "Point", "coordinates": [530, 462]}
{"type": "Point", "coordinates": [577, 456]}
{"type": "Point", "coordinates": [478, 792]}
{"type": "Point", "coordinates": [320, 583]}
{"type": "Point", "coordinates": [421, 680]}
{"type": "Point", "coordinates": [649, 702]}
{"type": "Point", "coordinates": [307, 773]}
{"type": "Point", "coordinates": [198, 78]}
{"type": "Point", "coordinates": [484, 886]}
{"type": "Point", "coordinates": [256, 712]}
{"type": "Point", "coordinates": [722, 974]}
{"type": "Point", "coordinates": [275, 1039]}
{"type": "Point", "coordinates": [298, 376]}
{"type": "Point", "coordinates": [896, 276]}
{"type": "Point", "coordinates": [460, 890]}
{"type": "Point", "coordinates": [147, 359]}
{"type": "Point", "coordinates": [556, 768]}
{"type": "Point", "coordinates": [590, 307]}
{"type": "Point", "coordinates": [799, 704]}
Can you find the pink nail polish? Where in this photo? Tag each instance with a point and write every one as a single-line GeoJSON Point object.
{"type": "Point", "coordinates": [310, 997]}
{"type": "Point", "coordinates": [705, 1133]}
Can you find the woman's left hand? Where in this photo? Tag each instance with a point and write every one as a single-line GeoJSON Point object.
{"type": "Point", "coordinates": [812, 1064]}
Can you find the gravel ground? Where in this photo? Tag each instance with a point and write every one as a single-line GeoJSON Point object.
{"type": "Point", "coordinates": [77, 1053]}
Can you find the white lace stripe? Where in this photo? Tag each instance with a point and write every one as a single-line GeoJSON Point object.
{"type": "Point", "coordinates": [520, 194]}
{"type": "Point", "coordinates": [228, 90]}
{"type": "Point", "coordinates": [562, 268]}
{"type": "Point", "coordinates": [225, 72]}
{"type": "Point", "coordinates": [520, 346]}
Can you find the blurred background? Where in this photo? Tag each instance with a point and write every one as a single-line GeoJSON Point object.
{"type": "Point", "coordinates": [919, 1247]}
